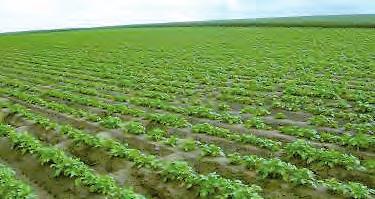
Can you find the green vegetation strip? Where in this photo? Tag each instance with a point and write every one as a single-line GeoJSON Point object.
{"type": "Point", "coordinates": [204, 112]}
{"type": "Point", "coordinates": [359, 140]}
{"type": "Point", "coordinates": [112, 122]}
{"type": "Point", "coordinates": [65, 165]}
{"type": "Point", "coordinates": [11, 187]}
{"type": "Point", "coordinates": [298, 149]}
{"type": "Point", "coordinates": [211, 185]}
{"type": "Point", "coordinates": [266, 168]}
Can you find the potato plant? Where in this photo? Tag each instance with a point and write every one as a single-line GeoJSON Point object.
{"type": "Point", "coordinates": [188, 112]}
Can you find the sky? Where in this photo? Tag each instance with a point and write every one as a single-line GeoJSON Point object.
{"type": "Point", "coordinates": [20, 15]}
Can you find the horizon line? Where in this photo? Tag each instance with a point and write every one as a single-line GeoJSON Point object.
{"type": "Point", "coordinates": [169, 22]}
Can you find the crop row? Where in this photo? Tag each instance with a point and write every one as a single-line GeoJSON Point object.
{"type": "Point", "coordinates": [112, 122]}
{"type": "Point", "coordinates": [355, 141]}
{"type": "Point", "coordinates": [341, 113]}
{"type": "Point", "coordinates": [318, 120]}
{"type": "Point", "coordinates": [197, 111]}
{"type": "Point", "coordinates": [65, 165]}
{"type": "Point", "coordinates": [210, 185]}
{"type": "Point", "coordinates": [359, 141]}
{"type": "Point", "coordinates": [11, 187]}
{"type": "Point", "coordinates": [324, 157]}
{"type": "Point", "coordinates": [266, 168]}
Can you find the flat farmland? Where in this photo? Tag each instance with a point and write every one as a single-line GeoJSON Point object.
{"type": "Point", "coordinates": [188, 112]}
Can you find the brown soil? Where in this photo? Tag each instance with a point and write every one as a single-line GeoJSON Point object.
{"type": "Point", "coordinates": [146, 181]}
{"type": "Point", "coordinates": [41, 177]}
{"type": "Point", "coordinates": [104, 164]}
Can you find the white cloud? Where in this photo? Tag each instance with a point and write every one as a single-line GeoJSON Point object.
{"type": "Point", "coordinates": [272, 8]}
{"type": "Point", "coordinates": [45, 14]}
{"type": "Point", "coordinates": [16, 15]}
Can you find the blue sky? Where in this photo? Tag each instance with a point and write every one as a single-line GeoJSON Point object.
{"type": "Point", "coordinates": [17, 15]}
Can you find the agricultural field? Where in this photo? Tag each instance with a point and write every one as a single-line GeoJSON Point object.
{"type": "Point", "coordinates": [188, 112]}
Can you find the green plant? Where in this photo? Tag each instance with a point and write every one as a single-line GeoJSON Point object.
{"type": "Point", "coordinates": [189, 145]}
{"type": "Point", "coordinates": [241, 138]}
{"type": "Point", "coordinates": [300, 132]}
{"type": "Point", "coordinates": [111, 122]}
{"type": "Point", "coordinates": [143, 79]}
{"type": "Point", "coordinates": [223, 107]}
{"type": "Point", "coordinates": [65, 165]}
{"type": "Point", "coordinates": [231, 119]}
{"type": "Point", "coordinates": [11, 187]}
{"type": "Point", "coordinates": [322, 120]}
{"type": "Point", "coordinates": [352, 189]}
{"type": "Point", "coordinates": [235, 158]}
{"type": "Point", "coordinates": [256, 122]}
{"type": "Point", "coordinates": [256, 111]}
{"type": "Point", "coordinates": [156, 134]}
{"type": "Point", "coordinates": [202, 112]}
{"type": "Point", "coordinates": [330, 158]}
{"type": "Point", "coordinates": [211, 150]}
{"type": "Point", "coordinates": [168, 119]}
{"type": "Point", "coordinates": [134, 128]}
{"type": "Point", "coordinates": [116, 149]}
{"type": "Point", "coordinates": [171, 141]}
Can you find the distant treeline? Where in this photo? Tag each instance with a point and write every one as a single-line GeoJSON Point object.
{"type": "Point", "coordinates": [332, 21]}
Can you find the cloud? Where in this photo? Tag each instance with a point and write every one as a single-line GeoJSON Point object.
{"type": "Point", "coordinates": [45, 14]}
{"type": "Point", "coordinates": [272, 8]}
{"type": "Point", "coordinates": [16, 15]}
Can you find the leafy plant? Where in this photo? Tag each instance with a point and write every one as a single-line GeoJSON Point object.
{"type": "Point", "coordinates": [168, 119]}
{"type": "Point", "coordinates": [136, 128]}
{"type": "Point", "coordinates": [211, 150]}
{"type": "Point", "coordinates": [235, 158]}
{"type": "Point", "coordinates": [322, 120]}
{"type": "Point", "coordinates": [256, 111]}
{"type": "Point", "coordinates": [256, 122]}
{"type": "Point", "coordinates": [330, 158]}
{"type": "Point", "coordinates": [67, 166]}
{"type": "Point", "coordinates": [300, 132]}
{"type": "Point", "coordinates": [352, 189]}
{"type": "Point", "coordinates": [241, 138]}
{"type": "Point", "coordinates": [202, 112]}
{"type": "Point", "coordinates": [223, 107]}
{"type": "Point", "coordinates": [189, 145]}
{"type": "Point", "coordinates": [156, 134]}
{"type": "Point", "coordinates": [231, 119]}
{"type": "Point", "coordinates": [171, 141]}
{"type": "Point", "coordinates": [11, 187]}
{"type": "Point", "coordinates": [111, 122]}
